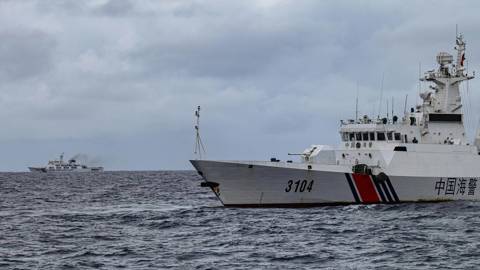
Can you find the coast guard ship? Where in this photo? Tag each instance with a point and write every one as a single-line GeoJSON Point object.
{"type": "Point", "coordinates": [423, 156]}
{"type": "Point", "coordinates": [59, 165]}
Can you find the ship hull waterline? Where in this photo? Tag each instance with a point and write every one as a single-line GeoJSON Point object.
{"type": "Point", "coordinates": [279, 184]}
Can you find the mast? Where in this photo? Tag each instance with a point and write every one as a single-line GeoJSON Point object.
{"type": "Point", "coordinates": [199, 147]}
{"type": "Point", "coordinates": [356, 106]}
{"type": "Point", "coordinates": [387, 109]}
{"type": "Point", "coordinates": [392, 108]}
{"type": "Point", "coordinates": [446, 80]}
{"type": "Point", "coordinates": [460, 55]}
{"type": "Point", "coordinates": [381, 97]}
{"type": "Point", "coordinates": [441, 105]}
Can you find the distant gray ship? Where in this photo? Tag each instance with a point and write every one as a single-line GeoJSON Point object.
{"type": "Point", "coordinates": [60, 166]}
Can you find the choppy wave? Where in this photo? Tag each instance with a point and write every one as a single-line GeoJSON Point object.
{"type": "Point", "coordinates": [162, 220]}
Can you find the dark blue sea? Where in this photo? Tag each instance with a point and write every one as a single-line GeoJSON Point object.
{"type": "Point", "coordinates": [165, 220]}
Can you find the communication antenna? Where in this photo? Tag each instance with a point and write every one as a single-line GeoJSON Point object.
{"type": "Point", "coordinates": [392, 108]}
{"type": "Point", "coordinates": [199, 147]}
{"type": "Point", "coordinates": [387, 108]}
{"type": "Point", "coordinates": [381, 97]}
{"type": "Point", "coordinates": [405, 106]}
{"type": "Point", "coordinates": [356, 106]}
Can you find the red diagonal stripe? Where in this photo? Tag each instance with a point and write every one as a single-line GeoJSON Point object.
{"type": "Point", "coordinates": [365, 188]}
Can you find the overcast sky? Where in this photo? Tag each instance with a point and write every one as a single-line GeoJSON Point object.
{"type": "Point", "coordinates": [119, 80]}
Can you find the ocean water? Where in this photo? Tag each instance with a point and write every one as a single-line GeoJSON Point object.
{"type": "Point", "coordinates": [165, 220]}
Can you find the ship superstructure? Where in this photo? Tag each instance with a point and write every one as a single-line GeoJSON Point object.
{"type": "Point", "coordinates": [422, 156]}
{"type": "Point", "coordinates": [59, 165]}
{"type": "Point", "coordinates": [436, 125]}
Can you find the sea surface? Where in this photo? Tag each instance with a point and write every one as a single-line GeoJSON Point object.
{"type": "Point", "coordinates": [165, 220]}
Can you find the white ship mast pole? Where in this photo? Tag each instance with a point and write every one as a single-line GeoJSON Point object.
{"type": "Point", "coordinates": [405, 106]}
{"type": "Point", "coordinates": [381, 97]}
{"type": "Point", "coordinates": [387, 110]}
{"type": "Point", "coordinates": [199, 147]}
{"type": "Point", "coordinates": [356, 106]}
{"type": "Point", "coordinates": [392, 109]}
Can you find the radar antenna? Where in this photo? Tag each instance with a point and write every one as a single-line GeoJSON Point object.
{"type": "Point", "coordinates": [199, 147]}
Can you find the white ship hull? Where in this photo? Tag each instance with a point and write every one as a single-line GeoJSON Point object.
{"type": "Point", "coordinates": [272, 184]}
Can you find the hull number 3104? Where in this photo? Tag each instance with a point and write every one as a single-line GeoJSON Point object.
{"type": "Point", "coordinates": [299, 186]}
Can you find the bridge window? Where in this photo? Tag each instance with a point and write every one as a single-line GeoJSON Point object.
{"type": "Point", "coordinates": [351, 136]}
{"type": "Point", "coordinates": [365, 136]}
{"type": "Point", "coordinates": [358, 135]}
{"type": "Point", "coordinates": [390, 135]}
{"type": "Point", "coordinates": [398, 137]}
{"type": "Point", "coordinates": [372, 136]}
{"type": "Point", "coordinates": [380, 136]}
{"type": "Point", "coordinates": [344, 136]}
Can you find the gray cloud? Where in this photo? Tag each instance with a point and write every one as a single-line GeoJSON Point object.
{"type": "Point", "coordinates": [116, 8]}
{"type": "Point", "coordinates": [25, 53]}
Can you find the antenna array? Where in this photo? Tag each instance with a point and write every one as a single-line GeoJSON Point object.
{"type": "Point", "coordinates": [199, 147]}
